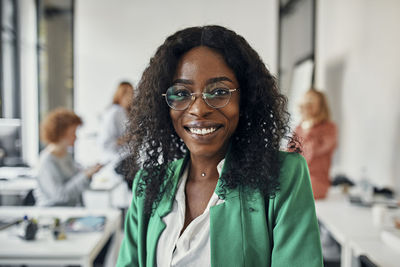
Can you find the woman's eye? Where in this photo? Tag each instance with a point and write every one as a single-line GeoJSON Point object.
{"type": "Point", "coordinates": [182, 93]}
{"type": "Point", "coordinates": [219, 92]}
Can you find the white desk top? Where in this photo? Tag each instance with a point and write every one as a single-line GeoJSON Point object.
{"type": "Point", "coordinates": [378, 252]}
{"type": "Point", "coordinates": [16, 180]}
{"type": "Point", "coordinates": [17, 186]}
{"type": "Point", "coordinates": [353, 225]}
{"type": "Point", "coordinates": [46, 250]}
{"type": "Point", "coordinates": [343, 219]}
{"type": "Point", "coordinates": [14, 172]}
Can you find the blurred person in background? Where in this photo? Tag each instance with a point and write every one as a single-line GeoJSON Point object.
{"type": "Point", "coordinates": [112, 133]}
{"type": "Point", "coordinates": [318, 136]}
{"type": "Point", "coordinates": [61, 180]}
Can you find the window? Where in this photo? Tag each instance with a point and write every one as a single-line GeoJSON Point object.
{"type": "Point", "coordinates": [296, 51]}
{"type": "Point", "coordinates": [9, 60]}
{"type": "Point", "coordinates": [55, 55]}
{"type": "Point", "coordinates": [296, 37]}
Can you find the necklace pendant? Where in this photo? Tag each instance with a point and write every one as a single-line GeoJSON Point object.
{"type": "Point", "coordinates": [203, 174]}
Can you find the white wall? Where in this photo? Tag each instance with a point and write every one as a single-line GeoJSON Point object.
{"type": "Point", "coordinates": [358, 62]}
{"type": "Point", "coordinates": [114, 40]}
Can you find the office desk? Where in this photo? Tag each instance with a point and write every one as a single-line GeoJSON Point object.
{"type": "Point", "coordinates": [17, 186]}
{"type": "Point", "coordinates": [107, 189]}
{"type": "Point", "coordinates": [15, 183]}
{"type": "Point", "coordinates": [13, 172]}
{"type": "Point", "coordinates": [101, 195]}
{"type": "Point", "coordinates": [77, 249]}
{"type": "Point", "coordinates": [353, 229]}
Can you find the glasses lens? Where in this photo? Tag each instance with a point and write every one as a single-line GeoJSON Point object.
{"type": "Point", "coordinates": [217, 95]}
{"type": "Point", "coordinates": [178, 97]}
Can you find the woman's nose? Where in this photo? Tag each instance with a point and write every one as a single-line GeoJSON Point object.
{"type": "Point", "coordinates": [199, 107]}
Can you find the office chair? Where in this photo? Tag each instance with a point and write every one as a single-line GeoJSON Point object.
{"type": "Point", "coordinates": [29, 199]}
{"type": "Point", "coordinates": [366, 262]}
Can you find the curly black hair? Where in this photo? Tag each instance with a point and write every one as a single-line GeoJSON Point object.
{"type": "Point", "coordinates": [263, 121]}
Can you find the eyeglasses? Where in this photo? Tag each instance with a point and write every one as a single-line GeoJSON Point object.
{"type": "Point", "coordinates": [216, 95]}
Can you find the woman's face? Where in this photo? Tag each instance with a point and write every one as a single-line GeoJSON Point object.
{"type": "Point", "coordinates": [126, 100]}
{"type": "Point", "coordinates": [205, 130]}
{"type": "Point", "coordinates": [70, 136]}
{"type": "Point", "coordinates": [309, 106]}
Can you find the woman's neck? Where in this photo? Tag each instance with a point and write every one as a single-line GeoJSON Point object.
{"type": "Point", "coordinates": [308, 123]}
{"type": "Point", "coordinates": [204, 168]}
{"type": "Point", "coordinates": [58, 149]}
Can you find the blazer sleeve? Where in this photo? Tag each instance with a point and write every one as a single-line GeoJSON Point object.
{"type": "Point", "coordinates": [128, 253]}
{"type": "Point", "coordinates": [295, 230]}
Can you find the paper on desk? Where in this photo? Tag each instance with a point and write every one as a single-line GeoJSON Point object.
{"type": "Point", "coordinates": [85, 224]}
{"type": "Point", "coordinates": [105, 179]}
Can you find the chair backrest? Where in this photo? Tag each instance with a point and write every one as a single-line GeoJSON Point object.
{"type": "Point", "coordinates": [29, 199]}
{"type": "Point", "coordinates": [366, 262]}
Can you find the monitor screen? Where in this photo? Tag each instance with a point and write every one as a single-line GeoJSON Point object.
{"type": "Point", "coordinates": [10, 142]}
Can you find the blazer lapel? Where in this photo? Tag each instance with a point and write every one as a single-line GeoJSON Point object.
{"type": "Point", "coordinates": [156, 225]}
{"type": "Point", "coordinates": [226, 233]}
{"type": "Point", "coordinates": [238, 232]}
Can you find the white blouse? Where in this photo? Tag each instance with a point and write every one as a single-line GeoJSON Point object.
{"type": "Point", "coordinates": [192, 248]}
{"type": "Point", "coordinates": [113, 127]}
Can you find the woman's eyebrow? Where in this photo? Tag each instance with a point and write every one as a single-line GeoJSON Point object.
{"type": "Point", "coordinates": [219, 79]}
{"type": "Point", "coordinates": [211, 80]}
{"type": "Point", "coordinates": [183, 81]}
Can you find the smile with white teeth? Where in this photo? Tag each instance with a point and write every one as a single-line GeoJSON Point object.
{"type": "Point", "coordinates": [202, 131]}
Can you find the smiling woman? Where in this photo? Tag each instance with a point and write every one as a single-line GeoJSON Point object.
{"type": "Point", "coordinates": [214, 189]}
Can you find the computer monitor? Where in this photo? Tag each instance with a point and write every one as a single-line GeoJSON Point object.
{"type": "Point", "coordinates": [10, 142]}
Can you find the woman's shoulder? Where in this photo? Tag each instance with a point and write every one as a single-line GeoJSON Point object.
{"type": "Point", "coordinates": [327, 125]}
{"type": "Point", "coordinates": [116, 107]}
{"type": "Point", "coordinates": [293, 166]}
{"type": "Point", "coordinates": [293, 179]}
{"type": "Point", "coordinates": [46, 157]}
{"type": "Point", "coordinates": [113, 110]}
{"type": "Point", "coordinates": [49, 162]}
{"type": "Point", "coordinates": [290, 158]}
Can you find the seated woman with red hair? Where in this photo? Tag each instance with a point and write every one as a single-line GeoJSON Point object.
{"type": "Point", "coordinates": [61, 181]}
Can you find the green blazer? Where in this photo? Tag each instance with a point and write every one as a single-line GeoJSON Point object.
{"type": "Point", "coordinates": [244, 230]}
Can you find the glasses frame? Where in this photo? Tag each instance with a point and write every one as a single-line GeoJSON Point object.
{"type": "Point", "coordinates": [193, 97]}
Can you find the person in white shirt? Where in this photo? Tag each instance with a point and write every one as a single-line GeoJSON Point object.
{"type": "Point", "coordinates": [112, 133]}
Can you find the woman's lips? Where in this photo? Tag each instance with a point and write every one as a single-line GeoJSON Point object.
{"type": "Point", "coordinates": [202, 129]}
{"type": "Point", "coordinates": [203, 135]}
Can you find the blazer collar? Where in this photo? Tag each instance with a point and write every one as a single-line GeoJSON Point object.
{"type": "Point", "coordinates": [175, 171]}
